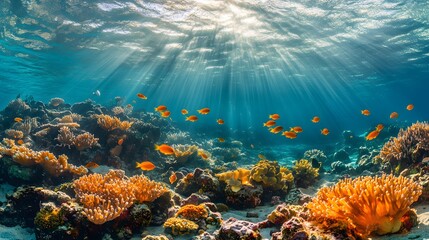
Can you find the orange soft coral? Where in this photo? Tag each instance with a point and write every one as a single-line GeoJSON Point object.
{"type": "Point", "coordinates": [193, 212]}
{"type": "Point", "coordinates": [111, 123]}
{"type": "Point", "coordinates": [367, 204]}
{"type": "Point", "coordinates": [146, 190]}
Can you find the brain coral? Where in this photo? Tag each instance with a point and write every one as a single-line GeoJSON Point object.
{"type": "Point", "coordinates": [366, 204]}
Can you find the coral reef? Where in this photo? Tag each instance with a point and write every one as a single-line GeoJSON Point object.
{"type": "Point", "coordinates": [234, 229]}
{"type": "Point", "coordinates": [271, 176]}
{"type": "Point", "coordinates": [316, 154]}
{"type": "Point", "coordinates": [200, 181]}
{"type": "Point", "coordinates": [366, 204]}
{"type": "Point", "coordinates": [192, 212]}
{"type": "Point", "coordinates": [304, 174]}
{"type": "Point", "coordinates": [284, 212]}
{"type": "Point", "coordinates": [180, 226]}
{"type": "Point", "coordinates": [109, 123]}
{"type": "Point", "coordinates": [55, 102]}
{"type": "Point", "coordinates": [236, 179]}
{"type": "Point", "coordinates": [408, 148]}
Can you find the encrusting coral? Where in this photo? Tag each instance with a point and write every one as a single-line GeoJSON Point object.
{"type": "Point", "coordinates": [180, 226]}
{"type": "Point", "coordinates": [366, 204]}
{"type": "Point", "coordinates": [235, 179]}
{"type": "Point", "coordinates": [304, 174]}
{"type": "Point", "coordinates": [111, 123]}
{"type": "Point", "coordinates": [105, 197]}
{"type": "Point", "coordinates": [409, 147]}
{"type": "Point", "coordinates": [193, 212]}
{"type": "Point", "coordinates": [27, 157]}
{"type": "Point", "coordinates": [271, 175]}
{"type": "Point", "coordinates": [15, 134]}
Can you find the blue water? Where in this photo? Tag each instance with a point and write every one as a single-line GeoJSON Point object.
{"type": "Point", "coordinates": [243, 59]}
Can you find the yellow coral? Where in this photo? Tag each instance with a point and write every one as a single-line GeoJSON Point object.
{"type": "Point", "coordinates": [193, 212]}
{"type": "Point", "coordinates": [271, 175]}
{"type": "Point", "coordinates": [111, 123]}
{"type": "Point", "coordinates": [235, 179]}
{"type": "Point", "coordinates": [105, 197]}
{"type": "Point", "coordinates": [180, 226]}
{"type": "Point", "coordinates": [304, 173]}
{"type": "Point", "coordinates": [367, 204]}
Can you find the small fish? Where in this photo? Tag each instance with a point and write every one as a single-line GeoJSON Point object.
{"type": "Point", "coordinates": [18, 119]}
{"type": "Point", "coordinates": [161, 108]}
{"type": "Point", "coordinates": [221, 140]}
{"type": "Point", "coordinates": [379, 127]}
{"type": "Point", "coordinates": [410, 107]}
{"type": "Point", "coordinates": [133, 102]}
{"type": "Point", "coordinates": [276, 129]}
{"type": "Point", "coordinates": [324, 131]}
{"type": "Point", "coordinates": [252, 146]}
{"type": "Point", "coordinates": [20, 142]}
{"type": "Point", "coordinates": [173, 178]}
{"type": "Point", "coordinates": [203, 155]}
{"type": "Point", "coordinates": [260, 156]}
{"type": "Point", "coordinates": [192, 118]}
{"type": "Point", "coordinates": [141, 96]}
{"type": "Point", "coordinates": [372, 135]}
{"type": "Point", "coordinates": [394, 115]}
{"type": "Point", "coordinates": [269, 123]}
{"type": "Point", "coordinates": [315, 119]}
{"type": "Point", "coordinates": [92, 165]}
{"type": "Point", "coordinates": [184, 111]}
{"type": "Point", "coordinates": [220, 121]}
{"type": "Point", "coordinates": [315, 163]}
{"type": "Point", "coordinates": [204, 111]}
{"type": "Point", "coordinates": [289, 134]}
{"type": "Point", "coordinates": [164, 149]}
{"type": "Point", "coordinates": [120, 141]}
{"type": "Point", "coordinates": [146, 165]}
{"type": "Point", "coordinates": [165, 114]}
{"type": "Point", "coordinates": [274, 116]}
{"type": "Point", "coordinates": [129, 106]}
{"type": "Point", "coordinates": [365, 112]}
{"type": "Point", "coordinates": [97, 93]}
{"type": "Point", "coordinates": [296, 129]}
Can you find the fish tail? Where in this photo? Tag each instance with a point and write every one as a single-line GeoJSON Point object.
{"type": "Point", "coordinates": [156, 147]}
{"type": "Point", "coordinates": [137, 165]}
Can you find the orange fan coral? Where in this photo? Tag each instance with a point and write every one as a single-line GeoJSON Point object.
{"type": "Point", "coordinates": [366, 204]}
{"type": "Point", "coordinates": [111, 123]}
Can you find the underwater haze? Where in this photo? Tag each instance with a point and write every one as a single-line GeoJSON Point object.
{"type": "Point", "coordinates": [243, 59]}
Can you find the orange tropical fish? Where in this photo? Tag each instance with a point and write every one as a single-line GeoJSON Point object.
{"type": "Point", "coordinates": [129, 105]}
{"type": "Point", "coordinates": [315, 119]}
{"type": "Point", "coordinates": [120, 141]}
{"type": "Point", "coordinates": [410, 107]}
{"type": "Point", "coordinates": [379, 127]}
{"type": "Point", "coordinates": [204, 111]}
{"type": "Point", "coordinates": [394, 115]}
{"type": "Point", "coordinates": [165, 114]}
{"type": "Point", "coordinates": [261, 156]}
{"type": "Point", "coordinates": [365, 112]}
{"type": "Point", "coordinates": [276, 129]}
{"type": "Point", "coordinates": [164, 149]}
{"type": "Point", "coordinates": [220, 121]}
{"type": "Point", "coordinates": [221, 140]}
{"type": "Point", "coordinates": [202, 154]}
{"type": "Point", "coordinates": [92, 165]}
{"type": "Point", "coordinates": [296, 129]}
{"type": "Point", "coordinates": [192, 118]}
{"type": "Point", "coordinates": [141, 96]}
{"type": "Point", "coordinates": [161, 108]}
{"type": "Point", "coordinates": [325, 131]}
{"type": "Point", "coordinates": [372, 135]}
{"type": "Point", "coordinates": [289, 134]}
{"type": "Point", "coordinates": [146, 165]}
{"type": "Point", "coordinates": [20, 142]}
{"type": "Point", "coordinates": [274, 116]}
{"type": "Point", "coordinates": [18, 119]}
{"type": "Point", "coordinates": [184, 111]}
{"type": "Point", "coordinates": [269, 123]}
{"type": "Point", "coordinates": [173, 177]}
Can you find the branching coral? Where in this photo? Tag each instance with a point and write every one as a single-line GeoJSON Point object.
{"type": "Point", "coordinates": [235, 179]}
{"type": "Point", "coordinates": [271, 175]}
{"type": "Point", "coordinates": [65, 136]}
{"type": "Point", "coordinates": [304, 173]}
{"type": "Point", "coordinates": [105, 197]}
{"type": "Point", "coordinates": [15, 134]}
{"type": "Point", "coordinates": [366, 204]}
{"type": "Point", "coordinates": [111, 123]}
{"type": "Point", "coordinates": [84, 141]}
{"type": "Point", "coordinates": [180, 226]}
{"type": "Point", "coordinates": [409, 147]}
{"type": "Point", "coordinates": [27, 157]}
{"type": "Point", "coordinates": [55, 102]}
{"type": "Point", "coordinates": [193, 212]}
{"type": "Point", "coordinates": [315, 154]}
{"type": "Point", "coordinates": [182, 153]}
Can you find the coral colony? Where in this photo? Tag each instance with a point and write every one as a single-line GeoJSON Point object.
{"type": "Point", "coordinates": [184, 186]}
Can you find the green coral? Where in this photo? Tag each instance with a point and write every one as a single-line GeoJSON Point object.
{"type": "Point", "coordinates": [180, 226]}
{"type": "Point", "coordinates": [49, 218]}
{"type": "Point", "coordinates": [304, 173]}
{"type": "Point", "coordinates": [271, 175]}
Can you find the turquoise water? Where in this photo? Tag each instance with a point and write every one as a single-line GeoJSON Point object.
{"type": "Point", "coordinates": [243, 59]}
